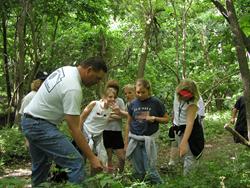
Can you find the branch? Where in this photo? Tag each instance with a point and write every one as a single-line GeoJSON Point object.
{"type": "Point", "coordinates": [221, 8]}
{"type": "Point", "coordinates": [236, 134]}
{"type": "Point", "coordinates": [224, 12]}
{"type": "Point", "coordinates": [218, 83]}
{"type": "Point", "coordinates": [172, 70]}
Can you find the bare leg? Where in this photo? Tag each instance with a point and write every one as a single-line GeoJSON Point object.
{"type": "Point", "coordinates": [109, 153]}
{"type": "Point", "coordinates": [121, 158]}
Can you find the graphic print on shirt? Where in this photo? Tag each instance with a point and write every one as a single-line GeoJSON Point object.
{"type": "Point", "coordinates": [141, 113]}
{"type": "Point", "coordinates": [102, 113]}
{"type": "Point", "coordinates": [54, 79]}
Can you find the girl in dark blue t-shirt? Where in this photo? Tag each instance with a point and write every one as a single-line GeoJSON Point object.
{"type": "Point", "coordinates": [144, 115]}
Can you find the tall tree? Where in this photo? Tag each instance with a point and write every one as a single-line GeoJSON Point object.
{"type": "Point", "coordinates": [19, 68]}
{"type": "Point", "coordinates": [5, 51]}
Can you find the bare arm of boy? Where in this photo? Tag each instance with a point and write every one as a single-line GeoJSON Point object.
{"type": "Point", "coordinates": [73, 122]}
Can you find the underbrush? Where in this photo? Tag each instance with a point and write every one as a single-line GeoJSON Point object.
{"type": "Point", "coordinates": [12, 146]}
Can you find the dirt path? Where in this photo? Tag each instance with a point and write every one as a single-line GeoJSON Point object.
{"type": "Point", "coordinates": [20, 171]}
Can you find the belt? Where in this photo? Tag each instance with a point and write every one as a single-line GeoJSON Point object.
{"type": "Point", "coordinates": [32, 117]}
{"type": "Point", "coordinates": [36, 118]}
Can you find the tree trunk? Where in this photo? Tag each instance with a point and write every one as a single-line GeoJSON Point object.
{"type": "Point", "coordinates": [184, 39]}
{"type": "Point", "coordinates": [205, 48]}
{"type": "Point", "coordinates": [144, 50]}
{"type": "Point", "coordinates": [5, 55]}
{"type": "Point", "coordinates": [19, 68]}
{"type": "Point", "coordinates": [241, 56]}
{"type": "Point", "coordinates": [177, 58]}
{"type": "Point", "coordinates": [34, 37]}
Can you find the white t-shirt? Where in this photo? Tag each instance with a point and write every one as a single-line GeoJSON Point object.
{"type": "Point", "coordinates": [180, 111]}
{"type": "Point", "coordinates": [97, 119]}
{"type": "Point", "coordinates": [60, 94]}
{"type": "Point", "coordinates": [116, 125]}
{"type": "Point", "coordinates": [26, 100]}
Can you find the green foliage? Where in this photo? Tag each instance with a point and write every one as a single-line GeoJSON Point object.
{"type": "Point", "coordinates": [103, 180]}
{"type": "Point", "coordinates": [214, 124]}
{"type": "Point", "coordinates": [245, 24]}
{"type": "Point", "coordinates": [12, 145]}
{"type": "Point", "coordinates": [13, 182]}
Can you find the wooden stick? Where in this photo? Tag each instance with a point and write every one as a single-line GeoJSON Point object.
{"type": "Point", "coordinates": [235, 133]}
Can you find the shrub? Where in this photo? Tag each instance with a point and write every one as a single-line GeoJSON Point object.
{"type": "Point", "coordinates": [12, 145]}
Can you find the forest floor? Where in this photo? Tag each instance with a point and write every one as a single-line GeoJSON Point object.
{"type": "Point", "coordinates": [22, 169]}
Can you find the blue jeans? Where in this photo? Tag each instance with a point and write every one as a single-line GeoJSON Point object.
{"type": "Point", "coordinates": [47, 143]}
{"type": "Point", "coordinates": [141, 165]}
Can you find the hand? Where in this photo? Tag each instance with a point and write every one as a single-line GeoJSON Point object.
{"type": "Point", "coordinates": [150, 119]}
{"type": "Point", "coordinates": [183, 148]}
{"type": "Point", "coordinates": [96, 164]}
{"type": "Point", "coordinates": [232, 121]}
{"type": "Point", "coordinates": [115, 109]}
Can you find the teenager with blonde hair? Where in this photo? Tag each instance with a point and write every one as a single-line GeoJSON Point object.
{"type": "Point", "coordinates": [187, 128]}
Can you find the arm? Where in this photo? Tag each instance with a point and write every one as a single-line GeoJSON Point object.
{"type": "Point", "coordinates": [129, 119]}
{"type": "Point", "coordinates": [163, 119]}
{"type": "Point", "coordinates": [85, 113]}
{"type": "Point", "coordinates": [234, 114]}
{"type": "Point", "coordinates": [75, 130]}
{"type": "Point", "coordinates": [191, 113]}
{"type": "Point", "coordinates": [118, 112]}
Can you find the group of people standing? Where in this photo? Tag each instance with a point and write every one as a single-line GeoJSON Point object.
{"type": "Point", "coordinates": [98, 131]}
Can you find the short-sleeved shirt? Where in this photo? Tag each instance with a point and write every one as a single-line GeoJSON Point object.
{"type": "Point", "coordinates": [60, 94]}
{"type": "Point", "coordinates": [116, 124]}
{"type": "Point", "coordinates": [241, 123]}
{"type": "Point", "coordinates": [26, 100]}
{"type": "Point", "coordinates": [138, 110]}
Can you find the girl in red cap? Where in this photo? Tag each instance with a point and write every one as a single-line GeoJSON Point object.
{"type": "Point", "coordinates": [188, 131]}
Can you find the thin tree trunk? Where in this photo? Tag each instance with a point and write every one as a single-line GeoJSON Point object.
{"type": "Point", "coordinates": [144, 50]}
{"type": "Point", "coordinates": [184, 39]}
{"type": "Point", "coordinates": [204, 48]}
{"type": "Point", "coordinates": [19, 68]}
{"type": "Point", "coordinates": [5, 55]}
{"type": "Point", "coordinates": [53, 39]}
{"type": "Point", "coordinates": [177, 58]}
{"type": "Point", "coordinates": [34, 43]}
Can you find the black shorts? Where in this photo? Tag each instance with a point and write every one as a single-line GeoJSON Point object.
{"type": "Point", "coordinates": [113, 139]}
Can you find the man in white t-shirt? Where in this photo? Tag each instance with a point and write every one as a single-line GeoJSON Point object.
{"type": "Point", "coordinates": [59, 98]}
